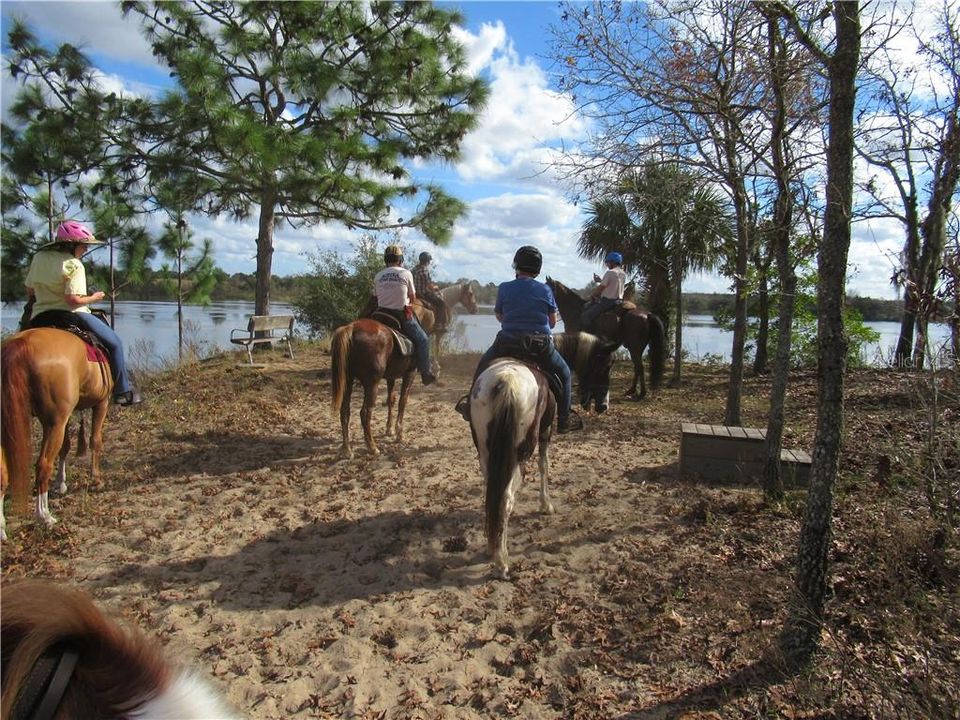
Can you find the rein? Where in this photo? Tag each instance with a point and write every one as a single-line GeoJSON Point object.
{"type": "Point", "coordinates": [46, 684]}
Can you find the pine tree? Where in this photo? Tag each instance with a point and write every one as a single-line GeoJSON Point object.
{"type": "Point", "coordinates": [311, 111]}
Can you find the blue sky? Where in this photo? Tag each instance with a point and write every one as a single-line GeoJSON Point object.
{"type": "Point", "coordinates": [503, 175]}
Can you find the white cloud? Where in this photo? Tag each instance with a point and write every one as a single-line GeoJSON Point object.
{"type": "Point", "coordinates": [523, 117]}
{"type": "Point", "coordinates": [94, 27]}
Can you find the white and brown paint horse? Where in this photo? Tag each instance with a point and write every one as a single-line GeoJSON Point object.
{"type": "Point", "coordinates": [511, 414]}
{"type": "Point", "coordinates": [64, 658]}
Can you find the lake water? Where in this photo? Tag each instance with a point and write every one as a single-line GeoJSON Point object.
{"type": "Point", "coordinates": [149, 331]}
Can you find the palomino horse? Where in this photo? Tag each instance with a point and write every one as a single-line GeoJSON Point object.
{"type": "Point", "coordinates": [62, 657]}
{"type": "Point", "coordinates": [511, 414]}
{"type": "Point", "coordinates": [47, 373]}
{"type": "Point", "coordinates": [634, 330]}
{"type": "Point", "coordinates": [453, 295]}
{"type": "Point", "coordinates": [366, 350]}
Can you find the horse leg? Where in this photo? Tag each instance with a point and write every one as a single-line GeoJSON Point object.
{"type": "Point", "coordinates": [546, 507]}
{"type": "Point", "coordinates": [391, 402]}
{"type": "Point", "coordinates": [97, 422]}
{"type": "Point", "coordinates": [345, 451]}
{"type": "Point", "coordinates": [637, 374]}
{"type": "Point", "coordinates": [366, 414]}
{"type": "Point", "coordinates": [406, 383]}
{"type": "Point", "coordinates": [501, 558]}
{"type": "Point", "coordinates": [49, 449]}
{"type": "Point", "coordinates": [59, 485]}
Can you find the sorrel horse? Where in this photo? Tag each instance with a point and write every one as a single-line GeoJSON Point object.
{"type": "Point", "coordinates": [367, 350]}
{"type": "Point", "coordinates": [511, 414]}
{"type": "Point", "coordinates": [634, 329]}
{"type": "Point", "coordinates": [62, 657]}
{"type": "Point", "coordinates": [47, 373]}
{"type": "Point", "coordinates": [453, 295]}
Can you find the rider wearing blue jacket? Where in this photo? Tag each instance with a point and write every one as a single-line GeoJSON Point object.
{"type": "Point", "coordinates": [527, 310]}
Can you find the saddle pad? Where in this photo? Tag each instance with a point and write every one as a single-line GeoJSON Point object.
{"type": "Point", "coordinates": [95, 354]}
{"type": "Point", "coordinates": [404, 344]}
{"type": "Point", "coordinates": [67, 321]}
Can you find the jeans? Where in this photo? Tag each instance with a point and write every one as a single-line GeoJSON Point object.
{"type": "Point", "coordinates": [594, 310]}
{"type": "Point", "coordinates": [106, 334]}
{"type": "Point", "coordinates": [551, 361]}
{"type": "Point", "coordinates": [421, 344]}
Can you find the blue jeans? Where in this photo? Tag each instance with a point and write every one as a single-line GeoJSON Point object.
{"type": "Point", "coordinates": [421, 344]}
{"type": "Point", "coordinates": [106, 334]}
{"type": "Point", "coordinates": [594, 310]}
{"type": "Point", "coordinates": [551, 361]}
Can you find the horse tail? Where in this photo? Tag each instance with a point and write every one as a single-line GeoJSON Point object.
{"type": "Point", "coordinates": [340, 364]}
{"type": "Point", "coordinates": [15, 408]}
{"type": "Point", "coordinates": [658, 341]}
{"type": "Point", "coordinates": [503, 457]}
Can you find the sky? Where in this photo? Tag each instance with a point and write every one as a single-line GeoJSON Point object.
{"type": "Point", "coordinates": [503, 175]}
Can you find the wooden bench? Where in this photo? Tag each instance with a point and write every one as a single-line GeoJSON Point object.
{"type": "Point", "coordinates": [725, 453]}
{"type": "Point", "coordinates": [264, 329]}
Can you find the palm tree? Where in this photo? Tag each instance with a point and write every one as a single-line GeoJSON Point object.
{"type": "Point", "coordinates": [667, 223]}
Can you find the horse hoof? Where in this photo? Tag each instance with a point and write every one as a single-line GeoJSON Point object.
{"type": "Point", "coordinates": [374, 452]}
{"type": "Point", "coordinates": [547, 509]}
{"type": "Point", "coordinates": [345, 453]}
{"type": "Point", "coordinates": [49, 520]}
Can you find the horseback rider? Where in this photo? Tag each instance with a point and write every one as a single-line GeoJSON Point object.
{"type": "Point", "coordinates": [57, 280]}
{"type": "Point", "coordinates": [429, 292]}
{"type": "Point", "coordinates": [608, 293]}
{"type": "Point", "coordinates": [527, 312]}
{"type": "Point", "coordinates": [395, 292]}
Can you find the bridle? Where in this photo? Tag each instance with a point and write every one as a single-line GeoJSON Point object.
{"type": "Point", "coordinates": [46, 684]}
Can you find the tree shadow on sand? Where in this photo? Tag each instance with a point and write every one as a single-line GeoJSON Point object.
{"type": "Point", "coordinates": [326, 563]}
{"type": "Point", "coordinates": [222, 453]}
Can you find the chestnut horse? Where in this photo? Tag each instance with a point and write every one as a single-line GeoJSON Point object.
{"type": "Point", "coordinates": [367, 350]}
{"type": "Point", "coordinates": [511, 415]}
{"type": "Point", "coordinates": [47, 373]}
{"type": "Point", "coordinates": [62, 657]}
{"type": "Point", "coordinates": [634, 329]}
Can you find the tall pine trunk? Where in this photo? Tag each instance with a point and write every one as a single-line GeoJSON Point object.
{"type": "Point", "coordinates": [801, 634]}
{"type": "Point", "coordinates": [268, 204]}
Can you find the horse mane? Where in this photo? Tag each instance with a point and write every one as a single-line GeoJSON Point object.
{"type": "Point", "coordinates": [119, 672]}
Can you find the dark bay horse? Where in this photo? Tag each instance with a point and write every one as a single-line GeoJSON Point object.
{"type": "Point", "coordinates": [47, 373]}
{"type": "Point", "coordinates": [367, 350]}
{"type": "Point", "coordinates": [635, 329]}
{"type": "Point", "coordinates": [64, 658]}
{"type": "Point", "coordinates": [511, 415]}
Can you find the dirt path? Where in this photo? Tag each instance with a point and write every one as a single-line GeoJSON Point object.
{"type": "Point", "coordinates": [315, 587]}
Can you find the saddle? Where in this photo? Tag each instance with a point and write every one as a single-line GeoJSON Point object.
{"type": "Point", "coordinates": [617, 311]}
{"type": "Point", "coordinates": [386, 317]}
{"type": "Point", "coordinates": [531, 349]}
{"type": "Point", "coordinates": [66, 320]}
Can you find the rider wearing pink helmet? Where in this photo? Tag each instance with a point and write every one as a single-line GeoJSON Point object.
{"type": "Point", "coordinates": [57, 281]}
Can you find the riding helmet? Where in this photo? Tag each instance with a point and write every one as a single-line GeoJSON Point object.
{"type": "Point", "coordinates": [528, 259]}
{"type": "Point", "coordinates": [425, 257]}
{"type": "Point", "coordinates": [72, 231]}
{"type": "Point", "coordinates": [614, 257]}
{"type": "Point", "coordinates": [392, 254]}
